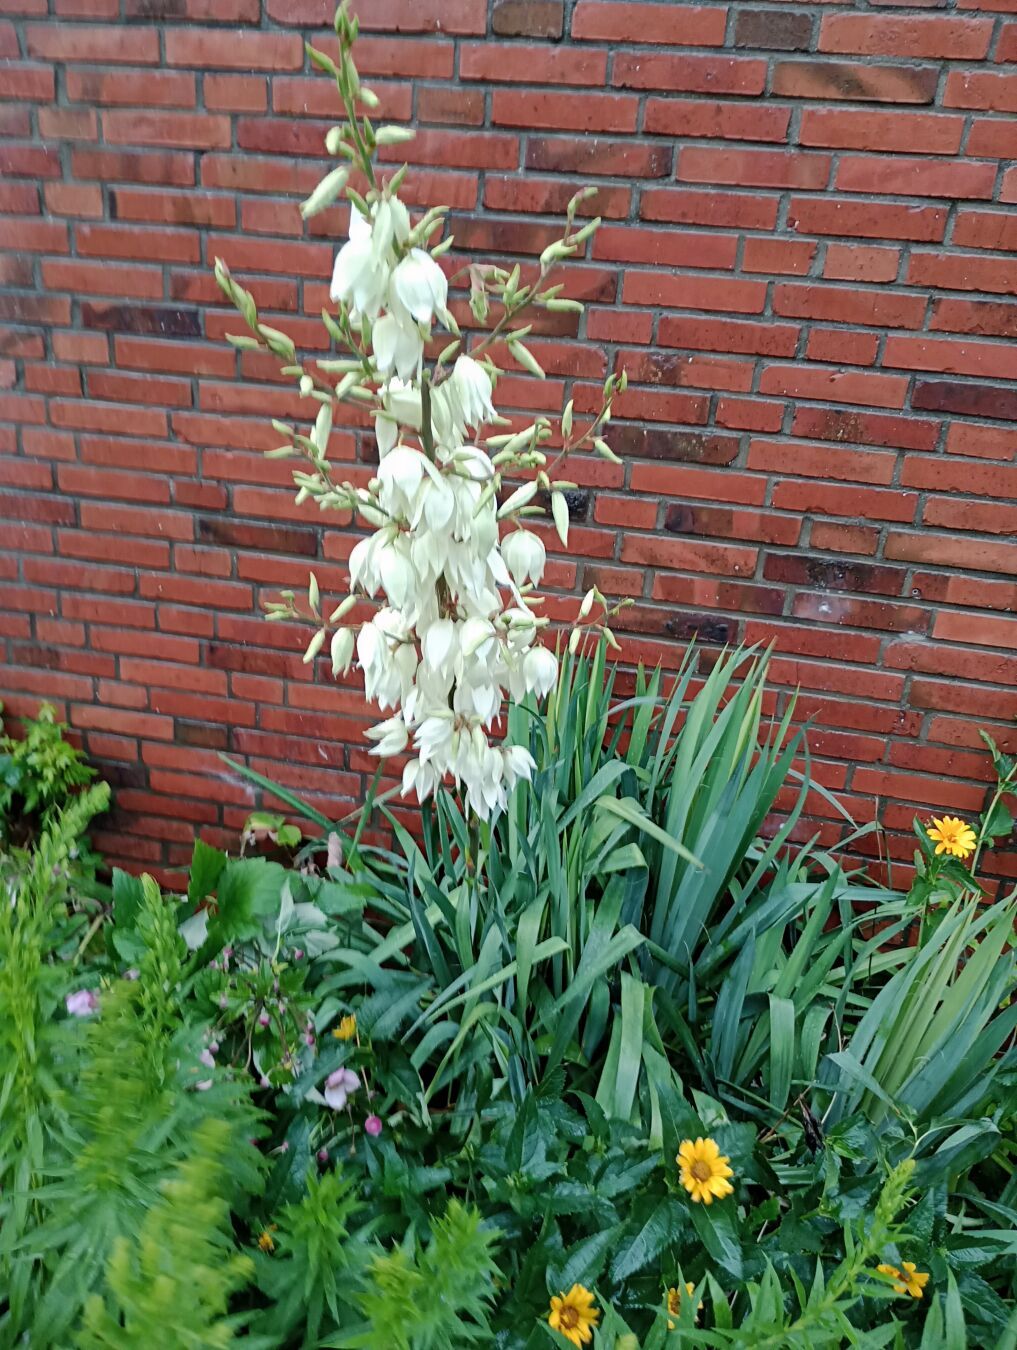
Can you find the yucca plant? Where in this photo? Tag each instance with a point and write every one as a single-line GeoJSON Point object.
{"type": "Point", "coordinates": [622, 902]}
{"type": "Point", "coordinates": [941, 1029]}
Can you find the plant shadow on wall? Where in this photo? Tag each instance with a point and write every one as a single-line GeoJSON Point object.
{"type": "Point", "coordinates": [592, 1057]}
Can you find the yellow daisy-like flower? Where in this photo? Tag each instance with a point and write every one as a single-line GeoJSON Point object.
{"type": "Point", "coordinates": [908, 1280]}
{"type": "Point", "coordinates": [346, 1029]}
{"type": "Point", "coordinates": [574, 1315]}
{"type": "Point", "coordinates": [266, 1242]}
{"type": "Point", "coordinates": [953, 836]}
{"type": "Point", "coordinates": [674, 1302]}
{"type": "Point", "coordinates": [704, 1170]}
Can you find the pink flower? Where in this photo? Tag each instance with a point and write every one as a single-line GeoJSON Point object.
{"type": "Point", "coordinates": [339, 1086]}
{"type": "Point", "coordinates": [263, 1019]}
{"type": "Point", "coordinates": [207, 1058]}
{"type": "Point", "coordinates": [82, 1003]}
{"type": "Point", "coordinates": [323, 1157]}
{"type": "Point", "coordinates": [373, 1126]}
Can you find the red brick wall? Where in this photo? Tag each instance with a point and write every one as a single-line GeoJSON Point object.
{"type": "Point", "coordinates": [808, 268]}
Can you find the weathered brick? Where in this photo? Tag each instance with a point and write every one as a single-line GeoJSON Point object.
{"type": "Point", "coordinates": [855, 83]}
{"type": "Point", "coordinates": [773, 30]}
{"type": "Point", "coordinates": [528, 18]}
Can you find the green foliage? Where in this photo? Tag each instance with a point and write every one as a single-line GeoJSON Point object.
{"type": "Point", "coordinates": [318, 1254]}
{"type": "Point", "coordinates": [428, 1297]}
{"type": "Point", "coordinates": [177, 1277]}
{"type": "Point", "coordinates": [40, 772]}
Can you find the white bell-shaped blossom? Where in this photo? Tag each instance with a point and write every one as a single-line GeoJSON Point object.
{"type": "Point", "coordinates": [472, 388]}
{"type": "Point", "coordinates": [525, 556]}
{"type": "Point", "coordinates": [360, 277]}
{"type": "Point", "coordinates": [398, 345]}
{"type": "Point", "coordinates": [540, 669]}
{"type": "Point", "coordinates": [420, 286]}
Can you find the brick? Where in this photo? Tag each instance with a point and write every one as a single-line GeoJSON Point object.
{"type": "Point", "coordinates": [989, 442]}
{"type": "Point", "coordinates": [594, 154]}
{"type": "Point", "coordinates": [773, 30]}
{"type": "Point", "coordinates": [944, 551]}
{"type": "Point", "coordinates": [239, 49]}
{"type": "Point", "coordinates": [986, 359]}
{"type": "Point", "coordinates": [866, 220]}
{"type": "Point", "coordinates": [107, 44]}
{"type": "Point", "coordinates": [195, 11]}
{"type": "Point", "coordinates": [724, 522]}
{"type": "Point", "coordinates": [125, 241]}
{"type": "Point", "coordinates": [992, 138]}
{"type": "Point", "coordinates": [690, 292]}
{"type": "Point", "coordinates": [752, 168]}
{"type": "Point", "coordinates": [842, 80]}
{"type": "Point", "coordinates": [29, 161]}
{"type": "Point", "coordinates": [693, 447]}
{"type": "Point", "coordinates": [827, 607]}
{"type": "Point", "coordinates": [73, 199]}
{"type": "Point", "coordinates": [589, 112]}
{"type": "Point", "coordinates": [152, 88]}
{"type": "Point", "coordinates": [709, 119]}
{"type": "Point", "coordinates": [981, 89]}
{"type": "Point", "coordinates": [915, 177]}
{"type": "Point", "coordinates": [101, 279]}
{"type": "Point", "coordinates": [724, 335]}
{"type": "Point", "coordinates": [198, 130]}
{"type": "Point", "coordinates": [133, 166]}
{"type": "Point", "coordinates": [686, 206]}
{"type": "Point", "coordinates": [611, 21]}
{"type": "Point", "coordinates": [974, 228]}
{"type": "Point", "coordinates": [840, 500]}
{"type": "Point", "coordinates": [783, 256]}
{"type": "Point", "coordinates": [839, 344]}
{"type": "Point", "coordinates": [68, 124]}
{"type": "Point", "coordinates": [723, 559]}
{"type": "Point", "coordinates": [528, 18]}
{"type": "Point", "coordinates": [794, 458]}
{"type": "Point", "coordinates": [961, 514]}
{"type": "Point", "coordinates": [995, 318]}
{"type": "Point", "coordinates": [849, 304]}
{"type": "Point", "coordinates": [15, 121]}
{"type": "Point", "coordinates": [832, 386]}
{"type": "Point", "coordinates": [944, 474]}
{"type": "Point", "coordinates": [525, 64]}
{"type": "Point", "coordinates": [550, 196]}
{"type": "Point", "coordinates": [458, 107]}
{"type": "Point", "coordinates": [689, 74]}
{"type": "Point", "coordinates": [915, 36]}
{"type": "Point", "coordinates": [24, 81]}
{"type": "Point", "coordinates": [970, 400]}
{"type": "Point", "coordinates": [867, 129]}
{"type": "Point", "coordinates": [861, 262]}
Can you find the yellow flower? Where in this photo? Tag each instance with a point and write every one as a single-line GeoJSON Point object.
{"type": "Point", "coordinates": [266, 1241]}
{"type": "Point", "coordinates": [704, 1170]}
{"type": "Point", "coordinates": [346, 1029]}
{"type": "Point", "coordinates": [674, 1302]}
{"type": "Point", "coordinates": [574, 1315]}
{"type": "Point", "coordinates": [909, 1280]}
{"type": "Point", "coordinates": [952, 835]}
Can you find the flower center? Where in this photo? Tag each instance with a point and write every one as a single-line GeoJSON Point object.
{"type": "Point", "coordinates": [702, 1171]}
{"type": "Point", "coordinates": [569, 1318]}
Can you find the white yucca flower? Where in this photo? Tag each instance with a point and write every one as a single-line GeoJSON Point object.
{"type": "Point", "coordinates": [452, 636]}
